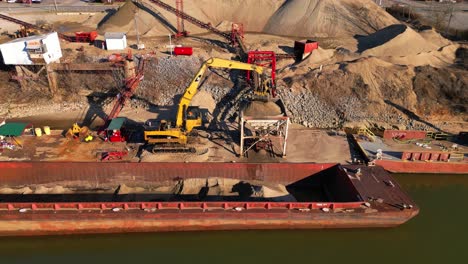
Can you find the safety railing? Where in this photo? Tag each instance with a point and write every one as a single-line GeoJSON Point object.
{"type": "Point", "coordinates": [155, 206]}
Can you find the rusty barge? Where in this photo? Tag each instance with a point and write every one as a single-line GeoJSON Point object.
{"type": "Point", "coordinates": [324, 196]}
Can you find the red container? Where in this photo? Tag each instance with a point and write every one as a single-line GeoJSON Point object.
{"type": "Point", "coordinates": [305, 46]}
{"type": "Point", "coordinates": [186, 51]}
{"type": "Point", "coordinates": [86, 36]}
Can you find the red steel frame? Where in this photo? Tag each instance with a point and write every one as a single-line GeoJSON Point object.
{"type": "Point", "coordinates": [264, 59]}
{"type": "Point", "coordinates": [237, 33]}
{"type": "Point", "coordinates": [180, 20]}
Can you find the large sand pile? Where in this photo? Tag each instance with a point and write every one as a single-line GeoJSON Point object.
{"type": "Point", "coordinates": [155, 21]}
{"type": "Point", "coordinates": [279, 17]}
{"type": "Point", "coordinates": [394, 40]}
{"type": "Point", "coordinates": [123, 21]}
{"type": "Point", "coordinates": [328, 18]}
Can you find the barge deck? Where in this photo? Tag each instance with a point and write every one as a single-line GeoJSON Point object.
{"type": "Point", "coordinates": [420, 155]}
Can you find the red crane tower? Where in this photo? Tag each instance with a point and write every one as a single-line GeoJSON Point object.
{"type": "Point", "coordinates": [131, 84]}
{"type": "Point", "coordinates": [180, 19]}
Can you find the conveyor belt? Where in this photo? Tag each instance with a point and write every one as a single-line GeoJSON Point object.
{"type": "Point", "coordinates": [29, 25]}
{"type": "Point", "coordinates": [191, 19]}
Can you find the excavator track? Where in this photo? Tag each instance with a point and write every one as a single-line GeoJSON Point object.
{"type": "Point", "coordinates": [172, 148]}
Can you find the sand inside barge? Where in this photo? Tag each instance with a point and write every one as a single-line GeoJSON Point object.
{"type": "Point", "coordinates": [236, 185]}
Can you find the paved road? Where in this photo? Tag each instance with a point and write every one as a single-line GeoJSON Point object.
{"type": "Point", "coordinates": [49, 5]}
{"type": "Point", "coordinates": [434, 10]}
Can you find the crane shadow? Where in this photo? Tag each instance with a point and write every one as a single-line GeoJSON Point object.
{"type": "Point", "coordinates": [156, 15]}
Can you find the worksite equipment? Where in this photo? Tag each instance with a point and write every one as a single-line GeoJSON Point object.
{"type": "Point", "coordinates": [303, 48]}
{"type": "Point", "coordinates": [264, 59]}
{"type": "Point", "coordinates": [86, 36]}
{"type": "Point", "coordinates": [110, 132]}
{"type": "Point", "coordinates": [77, 132]}
{"type": "Point", "coordinates": [264, 126]}
{"type": "Point", "coordinates": [173, 136]}
{"type": "Point", "coordinates": [31, 26]}
{"type": "Point", "coordinates": [112, 155]}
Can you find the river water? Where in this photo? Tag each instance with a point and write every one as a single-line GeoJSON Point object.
{"type": "Point", "coordinates": [437, 235]}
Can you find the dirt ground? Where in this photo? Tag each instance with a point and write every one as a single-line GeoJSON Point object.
{"type": "Point", "coordinates": [303, 145]}
{"type": "Point", "coordinates": [375, 72]}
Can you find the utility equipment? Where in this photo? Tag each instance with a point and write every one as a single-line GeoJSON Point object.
{"type": "Point", "coordinates": [112, 125]}
{"type": "Point", "coordinates": [77, 132]}
{"type": "Point", "coordinates": [173, 136]}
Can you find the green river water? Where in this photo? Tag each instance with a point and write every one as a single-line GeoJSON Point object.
{"type": "Point", "coordinates": [437, 235]}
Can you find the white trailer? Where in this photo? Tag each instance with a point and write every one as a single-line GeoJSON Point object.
{"type": "Point", "coordinates": [38, 49]}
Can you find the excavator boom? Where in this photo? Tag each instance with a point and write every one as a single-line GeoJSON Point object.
{"type": "Point", "coordinates": [195, 83]}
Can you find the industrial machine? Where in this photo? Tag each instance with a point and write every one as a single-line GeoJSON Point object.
{"type": "Point", "coordinates": [77, 132]}
{"type": "Point", "coordinates": [173, 136]}
{"type": "Point", "coordinates": [111, 131]}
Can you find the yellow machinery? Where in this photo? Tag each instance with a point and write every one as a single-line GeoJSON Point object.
{"type": "Point", "coordinates": [79, 133]}
{"type": "Point", "coordinates": [173, 136]}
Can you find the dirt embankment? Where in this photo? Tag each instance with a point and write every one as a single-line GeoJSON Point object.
{"type": "Point", "coordinates": [380, 70]}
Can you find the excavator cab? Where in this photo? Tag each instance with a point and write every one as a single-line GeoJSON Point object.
{"type": "Point", "coordinates": [192, 118]}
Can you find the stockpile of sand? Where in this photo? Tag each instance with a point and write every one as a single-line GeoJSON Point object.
{"type": "Point", "coordinates": [328, 18]}
{"type": "Point", "coordinates": [155, 21]}
{"type": "Point", "coordinates": [215, 188]}
{"type": "Point", "coordinates": [442, 57]}
{"type": "Point", "coordinates": [123, 21]}
{"type": "Point", "coordinates": [281, 17]}
{"type": "Point", "coordinates": [394, 40]}
{"type": "Point", "coordinates": [435, 38]}
{"type": "Point", "coordinates": [261, 109]}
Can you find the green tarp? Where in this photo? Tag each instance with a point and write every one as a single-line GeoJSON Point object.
{"type": "Point", "coordinates": [13, 129]}
{"type": "Point", "coordinates": [116, 123]}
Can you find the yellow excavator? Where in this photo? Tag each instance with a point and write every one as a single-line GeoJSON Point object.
{"type": "Point", "coordinates": [79, 133]}
{"type": "Point", "coordinates": [173, 136]}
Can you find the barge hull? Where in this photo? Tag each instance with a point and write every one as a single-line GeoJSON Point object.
{"type": "Point", "coordinates": [87, 224]}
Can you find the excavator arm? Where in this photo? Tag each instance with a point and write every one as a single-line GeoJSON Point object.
{"type": "Point", "coordinates": [195, 83]}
